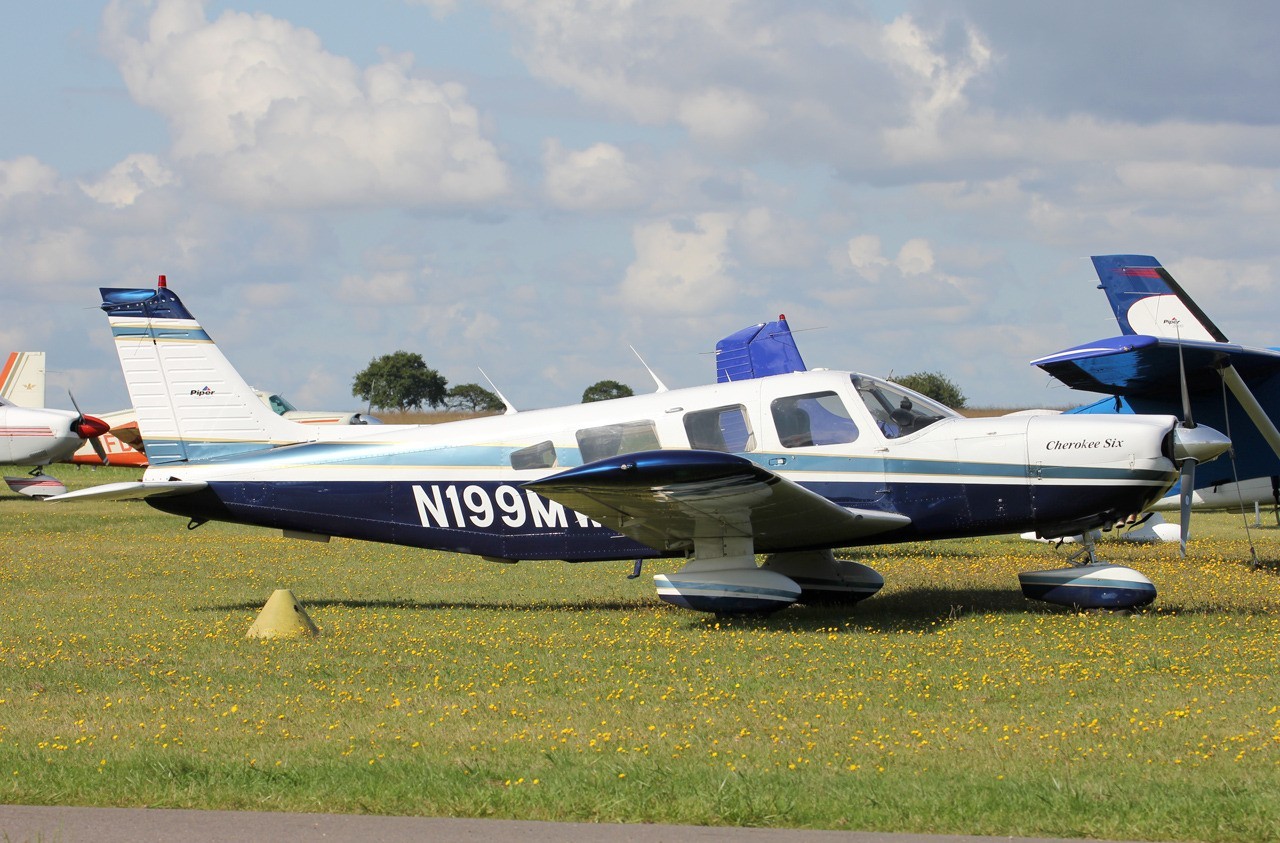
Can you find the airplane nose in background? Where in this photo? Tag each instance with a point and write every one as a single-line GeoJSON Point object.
{"type": "Point", "coordinates": [1198, 443]}
{"type": "Point", "coordinates": [90, 426]}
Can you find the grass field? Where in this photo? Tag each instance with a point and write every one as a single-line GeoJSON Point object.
{"type": "Point", "coordinates": [445, 685]}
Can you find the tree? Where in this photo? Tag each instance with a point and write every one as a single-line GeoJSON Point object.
{"type": "Point", "coordinates": [605, 390]}
{"type": "Point", "coordinates": [473, 397]}
{"type": "Point", "coordinates": [400, 381]}
{"type": "Point", "coordinates": [934, 385]}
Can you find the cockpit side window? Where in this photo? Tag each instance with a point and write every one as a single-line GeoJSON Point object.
{"type": "Point", "coordinates": [817, 418]}
{"type": "Point", "coordinates": [897, 410]}
{"type": "Point", "coordinates": [720, 429]}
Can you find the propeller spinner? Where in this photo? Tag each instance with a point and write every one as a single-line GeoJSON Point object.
{"type": "Point", "coordinates": [91, 428]}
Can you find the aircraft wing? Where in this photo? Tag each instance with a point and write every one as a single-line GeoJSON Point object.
{"type": "Point", "coordinates": [666, 498]}
{"type": "Point", "coordinates": [133, 490]}
{"type": "Point", "coordinates": [1147, 366]}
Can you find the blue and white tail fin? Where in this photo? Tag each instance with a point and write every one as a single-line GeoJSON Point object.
{"type": "Point", "coordinates": [758, 351]}
{"type": "Point", "coordinates": [1147, 300]}
{"type": "Point", "coordinates": [191, 402]}
{"type": "Point", "coordinates": [22, 379]}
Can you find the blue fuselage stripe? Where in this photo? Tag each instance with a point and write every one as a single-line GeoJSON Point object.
{"type": "Point", "coordinates": [502, 519]}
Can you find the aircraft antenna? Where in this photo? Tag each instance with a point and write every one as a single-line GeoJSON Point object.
{"type": "Point", "coordinates": [511, 409]}
{"type": "Point", "coordinates": [662, 387]}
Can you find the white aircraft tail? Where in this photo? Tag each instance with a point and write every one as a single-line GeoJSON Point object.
{"type": "Point", "coordinates": [22, 379]}
{"type": "Point", "coordinates": [191, 402]}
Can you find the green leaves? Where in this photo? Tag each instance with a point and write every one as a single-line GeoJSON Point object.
{"type": "Point", "coordinates": [400, 381]}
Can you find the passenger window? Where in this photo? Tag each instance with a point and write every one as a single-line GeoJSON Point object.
{"type": "Point", "coordinates": [598, 443]}
{"type": "Point", "coordinates": [819, 418]}
{"type": "Point", "coordinates": [721, 429]}
{"type": "Point", "coordinates": [542, 455]}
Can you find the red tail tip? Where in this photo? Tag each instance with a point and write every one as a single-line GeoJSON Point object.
{"type": "Point", "coordinates": [162, 282]}
{"type": "Point", "coordinates": [782, 317]}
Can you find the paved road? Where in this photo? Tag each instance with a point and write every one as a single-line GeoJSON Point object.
{"type": "Point", "coordinates": [30, 823]}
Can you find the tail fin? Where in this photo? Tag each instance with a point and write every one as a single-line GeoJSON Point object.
{"type": "Point", "coordinates": [1146, 300]}
{"type": "Point", "coordinates": [22, 379]}
{"type": "Point", "coordinates": [764, 349]}
{"type": "Point", "coordinates": [191, 402]}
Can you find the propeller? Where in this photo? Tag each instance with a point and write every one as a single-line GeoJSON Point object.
{"type": "Point", "coordinates": [1187, 469]}
{"type": "Point", "coordinates": [91, 428]}
{"type": "Point", "coordinates": [1192, 445]}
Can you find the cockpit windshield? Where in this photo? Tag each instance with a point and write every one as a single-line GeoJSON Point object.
{"type": "Point", "coordinates": [279, 405]}
{"type": "Point", "coordinates": [898, 411]}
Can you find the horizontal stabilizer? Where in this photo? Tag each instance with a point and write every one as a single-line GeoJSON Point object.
{"type": "Point", "coordinates": [666, 498]}
{"type": "Point", "coordinates": [134, 490]}
{"type": "Point", "coordinates": [1148, 366]}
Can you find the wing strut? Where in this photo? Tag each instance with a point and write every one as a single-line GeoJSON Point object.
{"type": "Point", "coordinates": [1251, 406]}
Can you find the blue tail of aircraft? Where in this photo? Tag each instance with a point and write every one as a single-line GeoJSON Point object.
{"type": "Point", "coordinates": [1146, 300]}
{"type": "Point", "coordinates": [758, 351]}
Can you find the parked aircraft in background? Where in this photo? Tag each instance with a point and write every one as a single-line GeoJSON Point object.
{"type": "Point", "coordinates": [1167, 342]}
{"type": "Point", "coordinates": [791, 466]}
{"type": "Point", "coordinates": [281, 407]}
{"type": "Point", "coordinates": [37, 437]}
{"type": "Point", "coordinates": [22, 379]}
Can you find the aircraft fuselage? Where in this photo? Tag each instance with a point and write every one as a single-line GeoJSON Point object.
{"type": "Point", "coordinates": [460, 486]}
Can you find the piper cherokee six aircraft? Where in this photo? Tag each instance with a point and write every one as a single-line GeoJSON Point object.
{"type": "Point", "coordinates": [791, 466]}
{"type": "Point", "coordinates": [1173, 355]}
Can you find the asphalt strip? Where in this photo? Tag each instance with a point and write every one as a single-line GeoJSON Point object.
{"type": "Point", "coordinates": [19, 823]}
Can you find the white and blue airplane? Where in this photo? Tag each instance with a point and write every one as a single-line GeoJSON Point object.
{"type": "Point", "coordinates": [790, 466]}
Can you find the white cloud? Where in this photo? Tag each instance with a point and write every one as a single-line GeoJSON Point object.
{"type": "Point", "coordinates": [865, 257]}
{"type": "Point", "coordinates": [936, 85]}
{"type": "Point", "coordinates": [772, 239]}
{"type": "Point", "coordinates": [440, 9]}
{"type": "Point", "coordinates": [593, 179]}
{"type": "Point", "coordinates": [736, 74]}
{"type": "Point", "coordinates": [721, 116]}
{"type": "Point", "coordinates": [126, 181]}
{"type": "Point", "coordinates": [387, 287]}
{"type": "Point", "coordinates": [263, 115]}
{"type": "Point", "coordinates": [680, 266]}
{"type": "Point", "coordinates": [26, 174]}
{"type": "Point", "coordinates": [911, 280]}
{"type": "Point", "coordinates": [915, 257]}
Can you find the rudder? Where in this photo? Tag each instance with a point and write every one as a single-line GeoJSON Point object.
{"type": "Point", "coordinates": [22, 379]}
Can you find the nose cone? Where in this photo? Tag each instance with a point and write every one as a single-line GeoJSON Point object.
{"type": "Point", "coordinates": [1198, 443]}
{"type": "Point", "coordinates": [90, 426]}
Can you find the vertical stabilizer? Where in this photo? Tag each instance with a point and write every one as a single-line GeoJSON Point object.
{"type": "Point", "coordinates": [1146, 300]}
{"type": "Point", "coordinates": [758, 351]}
{"type": "Point", "coordinates": [22, 379]}
{"type": "Point", "coordinates": [191, 402]}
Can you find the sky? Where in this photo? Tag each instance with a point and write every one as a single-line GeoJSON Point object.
{"type": "Point", "coordinates": [535, 187]}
